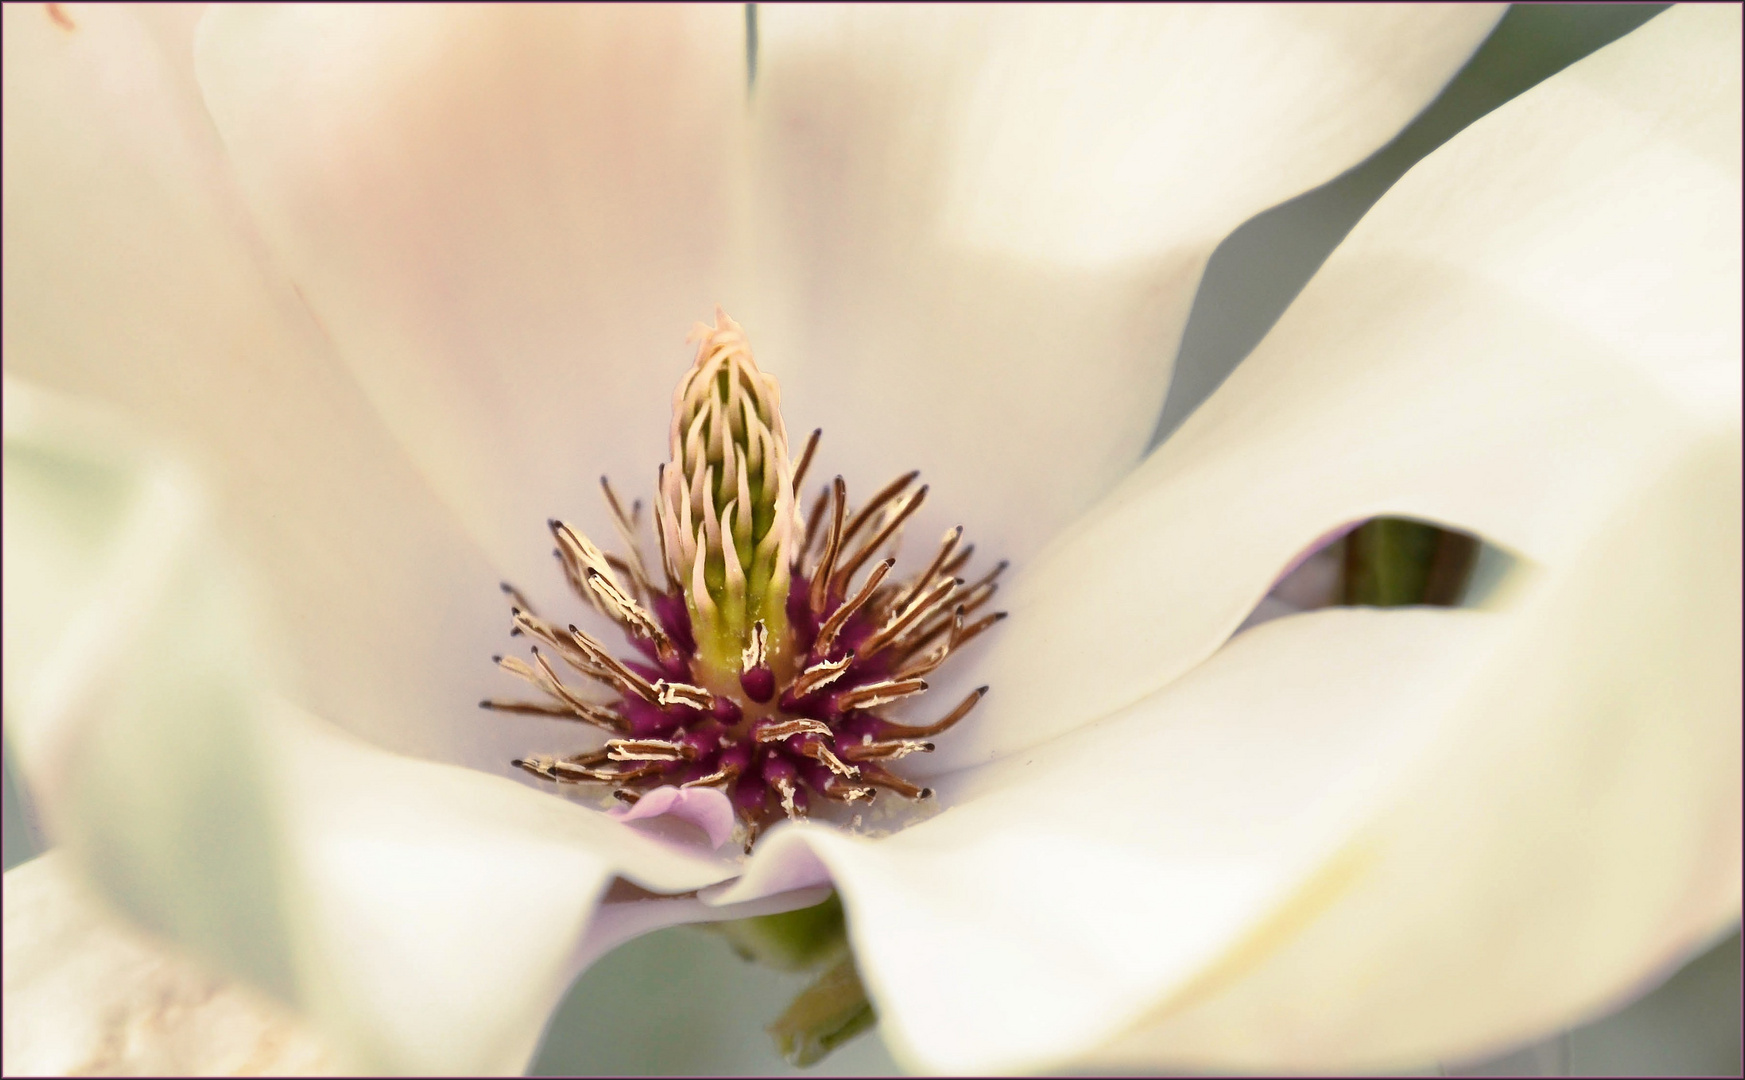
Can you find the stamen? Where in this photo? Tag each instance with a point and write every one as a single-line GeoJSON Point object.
{"type": "Point", "coordinates": [946, 545]}
{"type": "Point", "coordinates": [872, 695]}
{"type": "Point", "coordinates": [817, 751]}
{"type": "Point", "coordinates": [528, 708]}
{"type": "Point", "coordinates": [629, 613]}
{"type": "Point", "coordinates": [848, 793]}
{"type": "Point", "coordinates": [821, 575]}
{"type": "Point", "coordinates": [806, 458]}
{"type": "Point", "coordinates": [626, 524]}
{"type": "Point", "coordinates": [878, 777]}
{"type": "Point", "coordinates": [819, 675]}
{"type": "Point", "coordinates": [873, 506]}
{"type": "Point", "coordinates": [846, 574]}
{"type": "Point", "coordinates": [833, 625]}
{"type": "Point", "coordinates": [777, 730]}
{"type": "Point", "coordinates": [625, 679]}
{"type": "Point", "coordinates": [933, 659]}
{"type": "Point", "coordinates": [720, 777]}
{"type": "Point", "coordinates": [890, 750]}
{"type": "Point", "coordinates": [667, 693]}
{"type": "Point", "coordinates": [721, 628]}
{"type": "Point", "coordinates": [648, 750]}
{"type": "Point", "coordinates": [962, 710]}
{"type": "Point", "coordinates": [908, 617]}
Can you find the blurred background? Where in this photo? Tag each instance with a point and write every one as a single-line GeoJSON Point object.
{"type": "Point", "coordinates": [681, 1001]}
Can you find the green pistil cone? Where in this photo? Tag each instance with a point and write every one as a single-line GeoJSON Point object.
{"type": "Point", "coordinates": [728, 498]}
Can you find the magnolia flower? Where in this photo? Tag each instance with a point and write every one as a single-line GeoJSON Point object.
{"type": "Point", "coordinates": [405, 281]}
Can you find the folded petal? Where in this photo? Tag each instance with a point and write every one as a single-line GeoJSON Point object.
{"type": "Point", "coordinates": [132, 277]}
{"type": "Point", "coordinates": [1513, 342]}
{"type": "Point", "coordinates": [1063, 892]}
{"type": "Point", "coordinates": [506, 217]}
{"type": "Point", "coordinates": [1352, 839]}
{"type": "Point", "coordinates": [426, 916]}
{"type": "Point", "coordinates": [980, 228]}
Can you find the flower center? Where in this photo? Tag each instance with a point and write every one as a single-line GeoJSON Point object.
{"type": "Point", "coordinates": [771, 647]}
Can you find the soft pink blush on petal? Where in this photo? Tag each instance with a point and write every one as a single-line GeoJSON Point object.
{"type": "Point", "coordinates": [706, 808]}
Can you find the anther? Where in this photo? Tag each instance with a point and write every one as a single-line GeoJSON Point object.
{"type": "Point", "coordinates": [952, 717]}
{"type": "Point", "coordinates": [833, 625]}
{"type": "Point", "coordinates": [648, 750]}
{"type": "Point", "coordinates": [776, 730]}
{"type": "Point", "coordinates": [910, 505]}
{"type": "Point", "coordinates": [818, 676]}
{"type": "Point", "coordinates": [885, 751]}
{"type": "Point", "coordinates": [820, 753]}
{"type": "Point", "coordinates": [820, 590]}
{"type": "Point", "coordinates": [877, 503]}
{"type": "Point", "coordinates": [668, 693]}
{"type": "Point", "coordinates": [872, 695]}
{"type": "Point", "coordinates": [806, 458]}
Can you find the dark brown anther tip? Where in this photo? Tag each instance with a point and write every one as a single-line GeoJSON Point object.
{"type": "Point", "coordinates": [496, 659]}
{"type": "Point", "coordinates": [484, 705]}
{"type": "Point", "coordinates": [505, 586]}
{"type": "Point", "coordinates": [553, 523]}
{"type": "Point", "coordinates": [926, 793]}
{"type": "Point", "coordinates": [980, 690]}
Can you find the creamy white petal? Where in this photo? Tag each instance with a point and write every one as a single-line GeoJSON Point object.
{"type": "Point", "coordinates": [1351, 839]}
{"type": "Point", "coordinates": [980, 227]}
{"type": "Point", "coordinates": [424, 915]}
{"type": "Point", "coordinates": [86, 994]}
{"type": "Point", "coordinates": [1535, 314]}
{"type": "Point", "coordinates": [507, 217]}
{"type": "Point", "coordinates": [132, 277]}
{"type": "Point", "coordinates": [1572, 839]}
{"type": "Point", "coordinates": [1062, 893]}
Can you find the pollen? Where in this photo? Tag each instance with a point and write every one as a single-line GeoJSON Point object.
{"type": "Point", "coordinates": [767, 653]}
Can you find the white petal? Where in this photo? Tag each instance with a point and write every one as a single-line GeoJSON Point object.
{"type": "Point", "coordinates": [1572, 839]}
{"type": "Point", "coordinates": [425, 915]}
{"type": "Point", "coordinates": [1062, 893]}
{"type": "Point", "coordinates": [980, 228]}
{"type": "Point", "coordinates": [131, 277]}
{"type": "Point", "coordinates": [1511, 342]}
{"type": "Point", "coordinates": [1351, 839]}
{"type": "Point", "coordinates": [87, 995]}
{"type": "Point", "coordinates": [506, 217]}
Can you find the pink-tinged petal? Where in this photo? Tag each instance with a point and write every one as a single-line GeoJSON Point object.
{"type": "Point", "coordinates": [132, 277]}
{"type": "Point", "coordinates": [706, 808]}
{"type": "Point", "coordinates": [980, 227]}
{"type": "Point", "coordinates": [1535, 315]}
{"type": "Point", "coordinates": [507, 217]}
{"type": "Point", "coordinates": [424, 916]}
